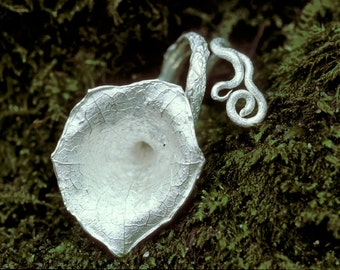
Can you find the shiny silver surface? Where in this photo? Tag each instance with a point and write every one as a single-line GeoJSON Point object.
{"type": "Point", "coordinates": [128, 157]}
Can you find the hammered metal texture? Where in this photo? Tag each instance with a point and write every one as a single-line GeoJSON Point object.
{"type": "Point", "coordinates": [127, 160]}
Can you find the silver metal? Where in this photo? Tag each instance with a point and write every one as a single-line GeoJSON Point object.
{"type": "Point", "coordinates": [243, 71]}
{"type": "Point", "coordinates": [174, 64]}
{"type": "Point", "coordinates": [128, 157]}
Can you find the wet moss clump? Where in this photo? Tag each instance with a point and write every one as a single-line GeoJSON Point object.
{"type": "Point", "coordinates": [268, 196]}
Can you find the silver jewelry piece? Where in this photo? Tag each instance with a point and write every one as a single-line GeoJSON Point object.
{"type": "Point", "coordinates": [243, 70]}
{"type": "Point", "coordinates": [128, 157]}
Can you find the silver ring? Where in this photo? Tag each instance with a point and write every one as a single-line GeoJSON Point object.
{"type": "Point", "coordinates": [128, 157]}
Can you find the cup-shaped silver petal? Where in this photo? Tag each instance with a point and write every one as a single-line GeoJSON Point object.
{"type": "Point", "coordinates": [127, 160]}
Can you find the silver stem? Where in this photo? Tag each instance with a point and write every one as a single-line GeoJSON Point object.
{"type": "Point", "coordinates": [174, 62]}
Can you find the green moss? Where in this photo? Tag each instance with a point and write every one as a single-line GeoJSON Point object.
{"type": "Point", "coordinates": [272, 198]}
{"type": "Point", "coordinates": [268, 196]}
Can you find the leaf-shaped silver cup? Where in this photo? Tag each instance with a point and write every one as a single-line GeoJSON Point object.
{"type": "Point", "coordinates": [128, 157]}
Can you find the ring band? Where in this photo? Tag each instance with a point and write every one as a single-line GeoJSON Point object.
{"type": "Point", "coordinates": [173, 65]}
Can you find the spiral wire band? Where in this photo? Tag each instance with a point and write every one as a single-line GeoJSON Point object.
{"type": "Point", "coordinates": [244, 70]}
